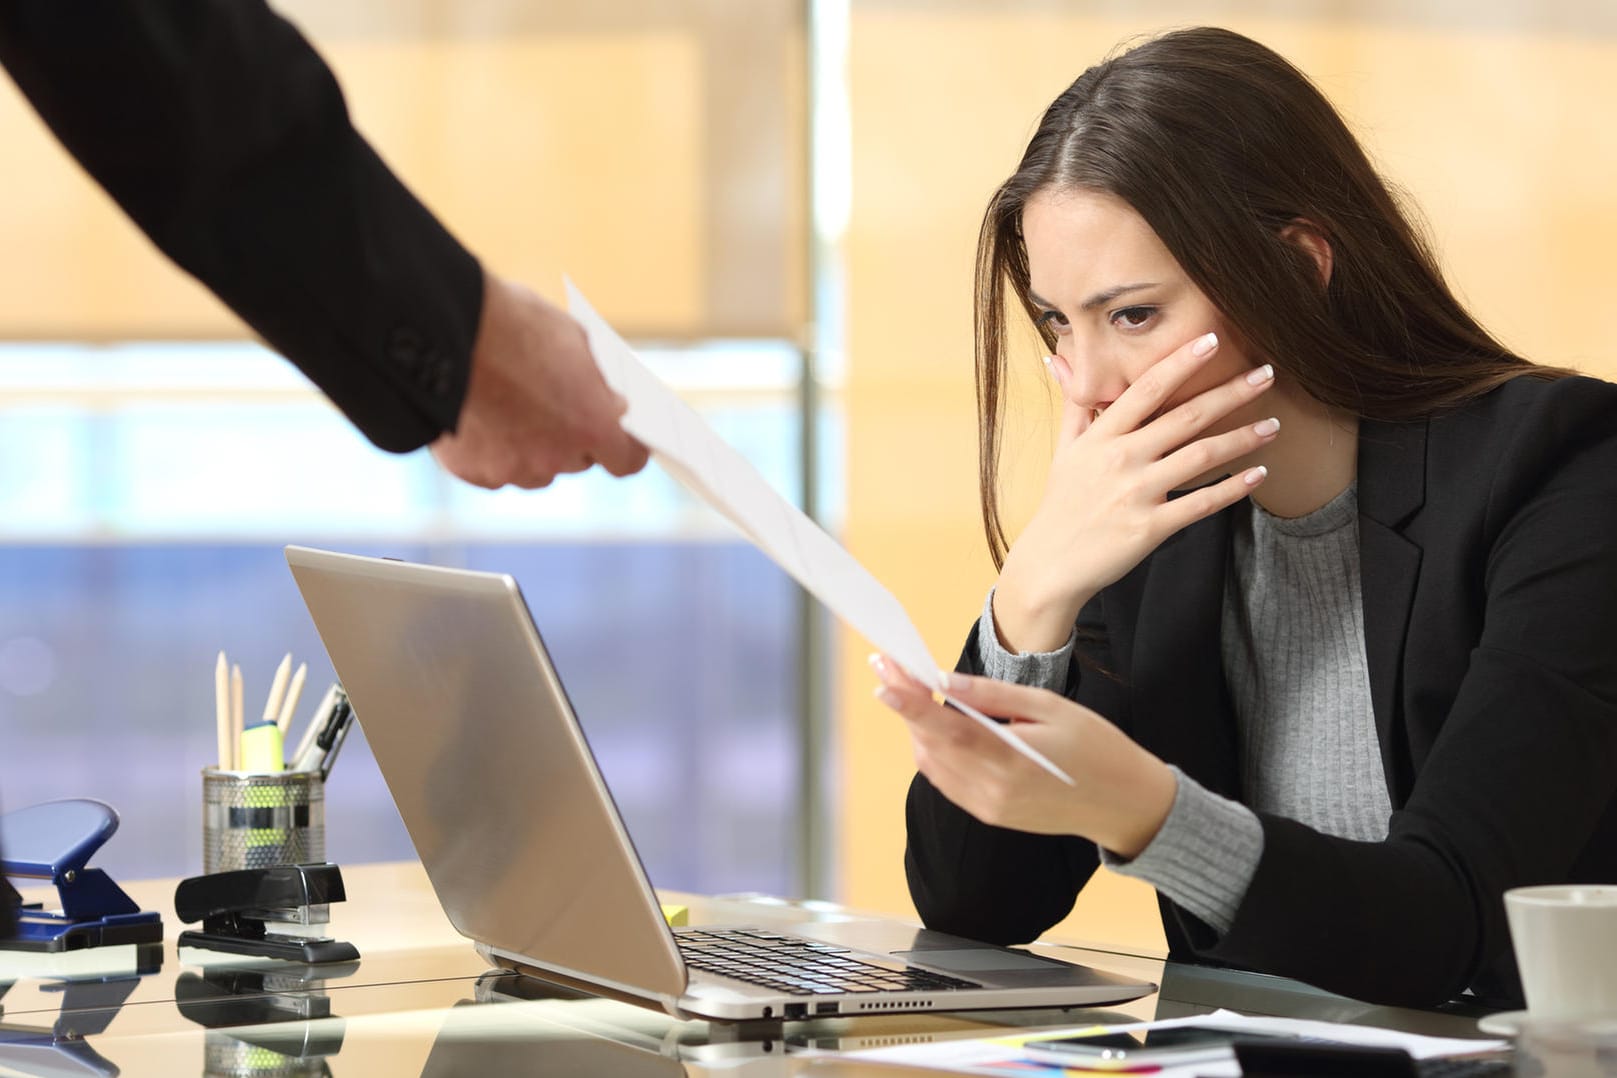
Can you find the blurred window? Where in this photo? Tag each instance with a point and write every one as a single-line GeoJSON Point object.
{"type": "Point", "coordinates": [147, 491]}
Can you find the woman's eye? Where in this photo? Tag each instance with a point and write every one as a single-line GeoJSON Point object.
{"type": "Point", "coordinates": [1133, 317]}
{"type": "Point", "coordinates": [1053, 321]}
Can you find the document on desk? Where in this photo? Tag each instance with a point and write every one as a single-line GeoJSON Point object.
{"type": "Point", "coordinates": [1004, 1055]}
{"type": "Point", "coordinates": [689, 449]}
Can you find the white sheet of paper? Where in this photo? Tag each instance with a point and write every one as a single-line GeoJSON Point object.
{"type": "Point", "coordinates": [993, 1055]}
{"type": "Point", "coordinates": [689, 450]}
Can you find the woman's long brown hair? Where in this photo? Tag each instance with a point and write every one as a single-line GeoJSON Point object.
{"type": "Point", "coordinates": [1219, 143]}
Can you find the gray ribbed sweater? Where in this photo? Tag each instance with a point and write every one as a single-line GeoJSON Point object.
{"type": "Point", "coordinates": [1292, 642]}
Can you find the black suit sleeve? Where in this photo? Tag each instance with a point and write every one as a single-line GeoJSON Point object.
{"type": "Point", "coordinates": [221, 132]}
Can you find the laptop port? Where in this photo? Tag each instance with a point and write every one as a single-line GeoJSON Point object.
{"type": "Point", "coordinates": [796, 1010]}
{"type": "Point", "coordinates": [825, 1008]}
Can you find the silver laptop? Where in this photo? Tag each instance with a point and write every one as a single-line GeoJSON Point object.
{"type": "Point", "coordinates": [502, 798]}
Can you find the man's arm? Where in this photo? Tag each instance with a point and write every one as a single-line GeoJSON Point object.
{"type": "Point", "coordinates": [221, 132]}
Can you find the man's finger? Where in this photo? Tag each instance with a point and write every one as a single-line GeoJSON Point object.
{"type": "Point", "coordinates": [619, 453]}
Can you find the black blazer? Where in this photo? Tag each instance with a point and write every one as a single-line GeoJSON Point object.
{"type": "Point", "coordinates": [225, 137]}
{"type": "Point", "coordinates": [1488, 543]}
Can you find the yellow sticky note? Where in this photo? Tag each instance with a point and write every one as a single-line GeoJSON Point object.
{"type": "Point", "coordinates": [676, 916]}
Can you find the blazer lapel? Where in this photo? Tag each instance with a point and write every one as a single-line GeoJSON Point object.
{"type": "Point", "coordinates": [1392, 487]}
{"type": "Point", "coordinates": [1178, 666]}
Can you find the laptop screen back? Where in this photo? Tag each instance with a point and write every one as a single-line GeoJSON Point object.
{"type": "Point", "coordinates": [474, 734]}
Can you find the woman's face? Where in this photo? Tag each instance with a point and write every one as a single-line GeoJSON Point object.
{"type": "Point", "coordinates": [1117, 301]}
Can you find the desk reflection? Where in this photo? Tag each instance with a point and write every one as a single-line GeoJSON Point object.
{"type": "Point", "coordinates": [89, 1001]}
{"type": "Point", "coordinates": [264, 1020]}
{"type": "Point", "coordinates": [421, 1001]}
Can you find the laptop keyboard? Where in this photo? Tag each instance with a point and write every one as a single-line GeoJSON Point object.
{"type": "Point", "coordinates": [1464, 1068]}
{"type": "Point", "coordinates": [791, 964]}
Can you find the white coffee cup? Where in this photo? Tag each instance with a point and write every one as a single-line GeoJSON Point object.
{"type": "Point", "coordinates": [1550, 1049]}
{"type": "Point", "coordinates": [1565, 939]}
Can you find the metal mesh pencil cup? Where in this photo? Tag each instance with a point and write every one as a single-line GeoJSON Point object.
{"type": "Point", "coordinates": [226, 1057]}
{"type": "Point", "coordinates": [255, 820]}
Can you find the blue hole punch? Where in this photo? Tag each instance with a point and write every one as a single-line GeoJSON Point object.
{"type": "Point", "coordinates": [54, 841]}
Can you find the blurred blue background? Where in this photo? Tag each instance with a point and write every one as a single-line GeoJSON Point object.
{"type": "Point", "coordinates": [147, 493]}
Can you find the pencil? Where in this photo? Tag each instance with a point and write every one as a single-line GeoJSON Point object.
{"type": "Point", "coordinates": [221, 711]}
{"type": "Point", "coordinates": [235, 717]}
{"type": "Point", "coordinates": [272, 705]}
{"type": "Point", "coordinates": [290, 704]}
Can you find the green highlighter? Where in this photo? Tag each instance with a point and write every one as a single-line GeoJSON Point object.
{"type": "Point", "coordinates": [261, 748]}
{"type": "Point", "coordinates": [260, 754]}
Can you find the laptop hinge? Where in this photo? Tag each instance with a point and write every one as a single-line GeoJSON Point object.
{"type": "Point", "coordinates": [592, 988]}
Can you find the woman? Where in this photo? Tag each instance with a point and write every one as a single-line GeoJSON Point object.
{"type": "Point", "coordinates": [1359, 675]}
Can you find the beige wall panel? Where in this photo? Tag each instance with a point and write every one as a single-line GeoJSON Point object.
{"type": "Point", "coordinates": [575, 152]}
{"type": "Point", "coordinates": [566, 154]}
{"type": "Point", "coordinates": [1512, 157]}
{"type": "Point", "coordinates": [1497, 136]}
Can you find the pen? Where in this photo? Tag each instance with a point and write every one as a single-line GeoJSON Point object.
{"type": "Point", "coordinates": [317, 722]}
{"type": "Point", "coordinates": [312, 755]}
{"type": "Point", "coordinates": [339, 718]}
{"type": "Point", "coordinates": [221, 712]}
{"type": "Point", "coordinates": [284, 721]}
{"type": "Point", "coordinates": [345, 719]}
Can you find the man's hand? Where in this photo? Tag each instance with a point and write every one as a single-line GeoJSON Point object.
{"type": "Point", "coordinates": [536, 404]}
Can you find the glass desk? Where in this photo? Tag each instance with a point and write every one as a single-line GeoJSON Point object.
{"type": "Point", "coordinates": [420, 1001]}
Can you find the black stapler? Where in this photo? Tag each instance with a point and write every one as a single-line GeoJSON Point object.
{"type": "Point", "coordinates": [233, 908]}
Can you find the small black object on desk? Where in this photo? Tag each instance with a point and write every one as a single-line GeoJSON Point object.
{"type": "Point", "coordinates": [54, 841]}
{"type": "Point", "coordinates": [234, 906]}
{"type": "Point", "coordinates": [1307, 1059]}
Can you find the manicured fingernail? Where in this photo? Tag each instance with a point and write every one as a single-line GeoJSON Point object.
{"type": "Point", "coordinates": [1261, 375]}
{"type": "Point", "coordinates": [1254, 476]}
{"type": "Point", "coordinates": [1204, 344]}
{"type": "Point", "coordinates": [887, 696]}
{"type": "Point", "coordinates": [877, 664]}
{"type": "Point", "coordinates": [1267, 427]}
{"type": "Point", "coordinates": [951, 680]}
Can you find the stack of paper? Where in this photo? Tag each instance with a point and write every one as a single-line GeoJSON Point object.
{"type": "Point", "coordinates": [1005, 1055]}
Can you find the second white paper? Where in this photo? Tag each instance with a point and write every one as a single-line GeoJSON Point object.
{"type": "Point", "coordinates": [690, 450]}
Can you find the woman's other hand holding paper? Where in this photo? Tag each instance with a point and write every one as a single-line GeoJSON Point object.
{"type": "Point", "coordinates": [1121, 793]}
